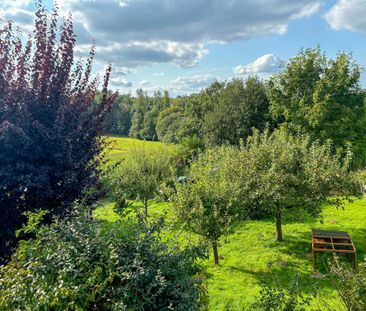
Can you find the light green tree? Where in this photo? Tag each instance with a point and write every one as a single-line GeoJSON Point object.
{"type": "Point", "coordinates": [206, 203]}
{"type": "Point", "coordinates": [143, 173]}
{"type": "Point", "coordinates": [281, 171]}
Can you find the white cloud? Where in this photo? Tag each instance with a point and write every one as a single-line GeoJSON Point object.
{"type": "Point", "coordinates": [192, 83]}
{"type": "Point", "coordinates": [158, 74]}
{"type": "Point", "coordinates": [147, 32]}
{"type": "Point", "coordinates": [120, 82]}
{"type": "Point", "coordinates": [265, 64]}
{"type": "Point", "coordinates": [144, 83]}
{"type": "Point", "coordinates": [347, 14]}
{"type": "Point", "coordinates": [121, 70]}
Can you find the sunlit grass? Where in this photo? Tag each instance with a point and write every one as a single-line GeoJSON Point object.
{"type": "Point", "coordinates": [122, 146]}
{"type": "Point", "coordinates": [250, 255]}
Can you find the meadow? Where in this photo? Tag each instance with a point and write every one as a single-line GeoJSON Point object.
{"type": "Point", "coordinates": [250, 257]}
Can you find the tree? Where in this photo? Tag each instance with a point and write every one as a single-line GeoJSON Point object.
{"type": "Point", "coordinates": [207, 203]}
{"type": "Point", "coordinates": [118, 120]}
{"type": "Point", "coordinates": [142, 174]}
{"type": "Point", "coordinates": [281, 171]}
{"type": "Point", "coordinates": [183, 118]}
{"type": "Point", "coordinates": [239, 107]}
{"type": "Point", "coordinates": [124, 265]}
{"type": "Point", "coordinates": [320, 95]}
{"type": "Point", "coordinates": [50, 128]}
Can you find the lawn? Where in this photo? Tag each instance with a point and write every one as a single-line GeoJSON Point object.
{"type": "Point", "coordinates": [121, 146]}
{"type": "Point", "coordinates": [250, 255]}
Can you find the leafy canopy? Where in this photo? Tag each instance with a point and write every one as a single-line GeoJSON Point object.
{"type": "Point", "coordinates": [282, 171]}
{"type": "Point", "coordinates": [207, 202]}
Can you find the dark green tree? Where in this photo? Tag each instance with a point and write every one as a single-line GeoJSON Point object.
{"type": "Point", "coordinates": [118, 120]}
{"type": "Point", "coordinates": [234, 111]}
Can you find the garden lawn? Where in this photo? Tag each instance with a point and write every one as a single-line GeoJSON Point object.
{"type": "Point", "coordinates": [251, 256]}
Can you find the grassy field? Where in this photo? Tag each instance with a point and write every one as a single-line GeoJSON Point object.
{"type": "Point", "coordinates": [251, 256]}
{"type": "Point", "coordinates": [121, 146]}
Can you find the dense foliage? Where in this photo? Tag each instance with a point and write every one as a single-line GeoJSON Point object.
{"type": "Point", "coordinates": [283, 171]}
{"type": "Point", "coordinates": [85, 264]}
{"type": "Point", "coordinates": [50, 130]}
{"type": "Point", "coordinates": [231, 114]}
{"type": "Point", "coordinates": [207, 202]}
{"type": "Point", "coordinates": [323, 96]}
{"type": "Point", "coordinates": [222, 113]}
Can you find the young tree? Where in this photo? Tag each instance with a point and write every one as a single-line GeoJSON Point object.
{"type": "Point", "coordinates": [282, 171]}
{"type": "Point", "coordinates": [207, 202]}
{"type": "Point", "coordinates": [142, 174]}
{"type": "Point", "coordinates": [320, 95]}
{"type": "Point", "coordinates": [50, 129]}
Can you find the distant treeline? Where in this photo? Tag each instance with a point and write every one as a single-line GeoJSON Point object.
{"type": "Point", "coordinates": [312, 94]}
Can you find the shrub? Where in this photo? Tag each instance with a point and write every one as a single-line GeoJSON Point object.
{"type": "Point", "coordinates": [50, 129]}
{"type": "Point", "coordinates": [350, 285]}
{"type": "Point", "coordinates": [282, 299]}
{"type": "Point", "coordinates": [84, 264]}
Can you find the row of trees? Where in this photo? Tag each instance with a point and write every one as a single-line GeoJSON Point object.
{"type": "Point", "coordinates": [270, 173]}
{"type": "Point", "coordinates": [136, 116]}
{"type": "Point", "coordinates": [313, 93]}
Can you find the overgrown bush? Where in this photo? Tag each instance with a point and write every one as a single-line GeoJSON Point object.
{"type": "Point", "coordinates": [85, 264]}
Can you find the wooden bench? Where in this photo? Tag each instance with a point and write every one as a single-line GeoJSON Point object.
{"type": "Point", "coordinates": [332, 241]}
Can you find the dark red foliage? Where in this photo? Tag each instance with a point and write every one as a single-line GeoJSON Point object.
{"type": "Point", "coordinates": [50, 130]}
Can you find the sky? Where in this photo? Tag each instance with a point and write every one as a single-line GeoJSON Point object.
{"type": "Point", "coordinates": [184, 45]}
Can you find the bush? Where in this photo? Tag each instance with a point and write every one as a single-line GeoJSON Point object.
{"type": "Point", "coordinates": [85, 264]}
{"type": "Point", "coordinates": [279, 299]}
{"type": "Point", "coordinates": [50, 128]}
{"type": "Point", "coordinates": [351, 286]}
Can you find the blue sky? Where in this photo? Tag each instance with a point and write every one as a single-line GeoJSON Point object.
{"type": "Point", "coordinates": [185, 45]}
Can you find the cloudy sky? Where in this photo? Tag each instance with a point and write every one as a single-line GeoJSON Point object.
{"type": "Point", "coordinates": [184, 45]}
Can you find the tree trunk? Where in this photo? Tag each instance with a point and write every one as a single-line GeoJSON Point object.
{"type": "Point", "coordinates": [278, 221]}
{"type": "Point", "coordinates": [216, 253]}
{"type": "Point", "coordinates": [145, 207]}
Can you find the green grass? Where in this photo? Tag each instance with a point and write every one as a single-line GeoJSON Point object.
{"type": "Point", "coordinates": [122, 146]}
{"type": "Point", "coordinates": [250, 255]}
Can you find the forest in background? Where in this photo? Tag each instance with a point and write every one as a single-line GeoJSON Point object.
{"type": "Point", "coordinates": [312, 93]}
